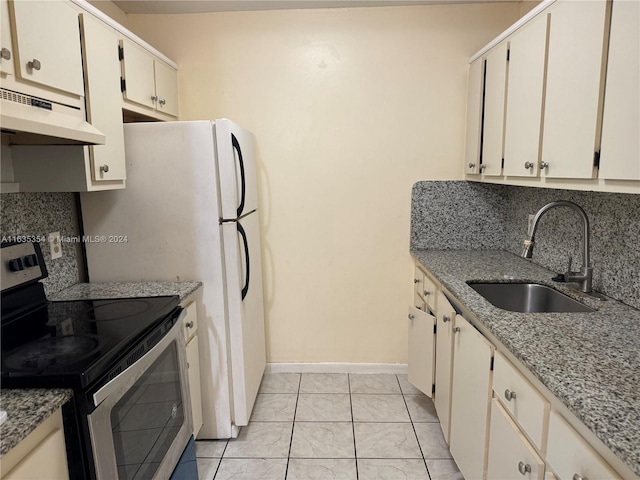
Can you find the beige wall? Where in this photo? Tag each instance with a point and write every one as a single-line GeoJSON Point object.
{"type": "Point", "coordinates": [350, 107]}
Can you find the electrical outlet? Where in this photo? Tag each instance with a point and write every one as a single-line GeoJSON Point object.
{"type": "Point", "coordinates": [530, 223]}
{"type": "Point", "coordinates": [55, 245]}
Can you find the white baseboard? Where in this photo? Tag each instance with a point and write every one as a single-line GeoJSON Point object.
{"type": "Point", "coordinates": [330, 367]}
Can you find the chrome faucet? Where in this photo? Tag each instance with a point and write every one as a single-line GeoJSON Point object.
{"type": "Point", "coordinates": [584, 276]}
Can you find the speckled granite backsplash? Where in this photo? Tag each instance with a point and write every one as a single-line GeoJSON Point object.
{"type": "Point", "coordinates": [41, 214]}
{"type": "Point", "coordinates": [457, 216]}
{"type": "Point", "coordinates": [465, 215]}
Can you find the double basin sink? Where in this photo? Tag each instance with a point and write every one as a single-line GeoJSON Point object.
{"type": "Point", "coordinates": [527, 297]}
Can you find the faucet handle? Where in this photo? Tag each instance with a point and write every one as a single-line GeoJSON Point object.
{"type": "Point", "coordinates": [570, 263]}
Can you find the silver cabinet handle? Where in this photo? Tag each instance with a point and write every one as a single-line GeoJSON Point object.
{"type": "Point", "coordinates": [472, 165]}
{"type": "Point", "coordinates": [154, 98]}
{"type": "Point", "coordinates": [509, 395]}
{"type": "Point", "coordinates": [528, 165]}
{"type": "Point", "coordinates": [446, 319]}
{"type": "Point", "coordinates": [189, 324]}
{"type": "Point", "coordinates": [104, 168]}
{"type": "Point", "coordinates": [162, 101]}
{"type": "Point", "coordinates": [544, 165]}
{"type": "Point", "coordinates": [411, 316]}
{"type": "Point", "coordinates": [456, 330]}
{"type": "Point", "coordinates": [5, 53]}
{"type": "Point", "coordinates": [426, 293]}
{"type": "Point", "coordinates": [415, 280]}
{"type": "Point", "coordinates": [579, 477]}
{"type": "Point", "coordinates": [482, 167]}
{"type": "Point", "coordinates": [35, 64]}
{"type": "Point", "coordinates": [524, 468]}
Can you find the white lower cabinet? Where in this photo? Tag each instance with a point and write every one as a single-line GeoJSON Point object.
{"type": "Point", "coordinates": [41, 455]}
{"type": "Point", "coordinates": [511, 456]}
{"type": "Point", "coordinates": [525, 404]}
{"type": "Point", "coordinates": [471, 394]}
{"type": "Point", "coordinates": [421, 350]}
{"type": "Point", "coordinates": [444, 362]}
{"type": "Point", "coordinates": [190, 327]}
{"type": "Point", "coordinates": [571, 457]}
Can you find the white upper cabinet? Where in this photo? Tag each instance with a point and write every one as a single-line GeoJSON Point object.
{"type": "Point", "coordinates": [495, 89]}
{"type": "Point", "coordinates": [6, 45]}
{"type": "Point", "coordinates": [148, 82]}
{"type": "Point", "coordinates": [578, 35]}
{"type": "Point", "coordinates": [523, 128]}
{"type": "Point", "coordinates": [102, 76]}
{"type": "Point", "coordinates": [474, 117]}
{"type": "Point", "coordinates": [47, 44]}
{"type": "Point", "coordinates": [620, 148]}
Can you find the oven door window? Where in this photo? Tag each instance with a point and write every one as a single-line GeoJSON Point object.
{"type": "Point", "coordinates": [147, 419]}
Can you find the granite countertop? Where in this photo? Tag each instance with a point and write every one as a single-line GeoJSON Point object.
{"type": "Point", "coordinates": [98, 291]}
{"type": "Point", "coordinates": [589, 361]}
{"type": "Point", "coordinates": [26, 409]}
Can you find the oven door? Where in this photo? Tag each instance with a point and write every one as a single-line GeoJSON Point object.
{"type": "Point", "coordinates": [143, 419]}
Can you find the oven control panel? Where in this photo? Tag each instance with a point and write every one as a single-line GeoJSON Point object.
{"type": "Point", "coordinates": [21, 263]}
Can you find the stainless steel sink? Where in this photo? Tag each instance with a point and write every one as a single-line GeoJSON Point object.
{"type": "Point", "coordinates": [527, 297]}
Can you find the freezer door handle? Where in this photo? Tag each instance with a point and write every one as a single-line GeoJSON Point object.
{"type": "Point", "coordinates": [243, 234]}
{"type": "Point", "coordinates": [236, 145]}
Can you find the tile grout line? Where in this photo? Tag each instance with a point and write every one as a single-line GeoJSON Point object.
{"type": "Point", "coordinates": [413, 427]}
{"type": "Point", "coordinates": [353, 426]}
{"type": "Point", "coordinates": [221, 457]}
{"type": "Point", "coordinates": [293, 426]}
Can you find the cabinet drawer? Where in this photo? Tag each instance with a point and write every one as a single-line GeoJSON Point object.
{"type": "Point", "coordinates": [510, 454]}
{"type": "Point", "coordinates": [568, 454]}
{"type": "Point", "coordinates": [418, 302]}
{"type": "Point", "coordinates": [418, 280]}
{"type": "Point", "coordinates": [527, 406]}
{"type": "Point", "coordinates": [190, 322]}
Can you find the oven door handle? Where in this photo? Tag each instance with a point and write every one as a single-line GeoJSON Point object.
{"type": "Point", "coordinates": [144, 361]}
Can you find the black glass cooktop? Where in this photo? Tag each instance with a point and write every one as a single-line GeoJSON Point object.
{"type": "Point", "coordinates": [70, 344]}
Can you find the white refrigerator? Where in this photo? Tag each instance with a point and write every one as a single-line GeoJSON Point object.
{"type": "Point", "coordinates": [190, 212]}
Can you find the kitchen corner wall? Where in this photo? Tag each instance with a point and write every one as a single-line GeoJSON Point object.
{"type": "Point", "coordinates": [445, 215]}
{"type": "Point", "coordinates": [40, 214]}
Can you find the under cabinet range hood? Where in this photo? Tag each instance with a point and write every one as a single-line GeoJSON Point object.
{"type": "Point", "coordinates": [30, 120]}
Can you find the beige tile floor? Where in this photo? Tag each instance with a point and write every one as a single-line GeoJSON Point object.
{"type": "Point", "coordinates": [314, 426]}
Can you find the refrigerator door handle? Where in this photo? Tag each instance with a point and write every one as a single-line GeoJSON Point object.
{"type": "Point", "coordinates": [243, 234]}
{"type": "Point", "coordinates": [243, 186]}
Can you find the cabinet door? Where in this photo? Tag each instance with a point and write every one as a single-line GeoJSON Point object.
{"type": "Point", "coordinates": [47, 460]}
{"type": "Point", "coordinates": [494, 107]}
{"type": "Point", "coordinates": [577, 39]}
{"type": "Point", "coordinates": [444, 361]}
{"type": "Point", "coordinates": [6, 60]}
{"type": "Point", "coordinates": [569, 455]}
{"type": "Point", "coordinates": [421, 350]}
{"type": "Point", "coordinates": [523, 127]}
{"type": "Point", "coordinates": [475, 90]}
{"type": "Point", "coordinates": [510, 455]}
{"type": "Point", "coordinates": [104, 109]}
{"type": "Point", "coordinates": [166, 88]}
{"type": "Point", "coordinates": [193, 362]}
{"type": "Point", "coordinates": [470, 397]}
{"type": "Point", "coordinates": [48, 38]}
{"type": "Point", "coordinates": [138, 73]}
{"type": "Point", "coordinates": [620, 149]}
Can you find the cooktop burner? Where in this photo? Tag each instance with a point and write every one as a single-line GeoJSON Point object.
{"type": "Point", "coordinates": [54, 353]}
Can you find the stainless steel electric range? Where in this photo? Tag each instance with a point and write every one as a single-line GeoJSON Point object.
{"type": "Point", "coordinates": [125, 360]}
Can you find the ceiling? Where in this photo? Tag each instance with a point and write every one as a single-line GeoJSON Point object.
{"type": "Point", "coordinates": [202, 6]}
